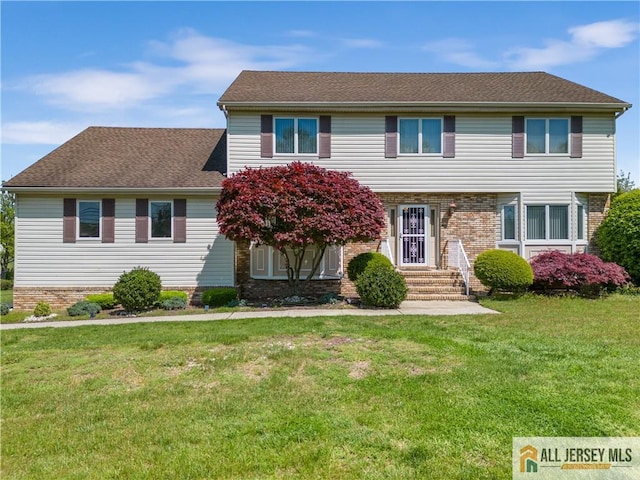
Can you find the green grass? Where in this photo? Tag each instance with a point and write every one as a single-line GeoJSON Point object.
{"type": "Point", "coordinates": [333, 397]}
{"type": "Point", "coordinates": [6, 296]}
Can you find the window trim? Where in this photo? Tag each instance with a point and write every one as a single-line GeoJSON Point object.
{"type": "Point", "coordinates": [150, 217]}
{"type": "Point", "coordinates": [547, 238]}
{"type": "Point", "coordinates": [420, 144]}
{"type": "Point", "coordinates": [515, 223]}
{"type": "Point", "coordinates": [546, 152]}
{"type": "Point", "coordinates": [295, 136]}
{"type": "Point", "coordinates": [268, 253]}
{"type": "Point", "coordinates": [581, 223]}
{"type": "Point", "coordinates": [88, 239]}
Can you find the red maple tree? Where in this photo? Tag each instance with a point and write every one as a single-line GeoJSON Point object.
{"type": "Point", "coordinates": [297, 207]}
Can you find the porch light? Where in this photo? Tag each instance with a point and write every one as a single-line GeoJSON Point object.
{"type": "Point", "coordinates": [452, 207]}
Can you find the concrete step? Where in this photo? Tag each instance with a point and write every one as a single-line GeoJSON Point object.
{"type": "Point", "coordinates": [438, 296]}
{"type": "Point", "coordinates": [441, 289]}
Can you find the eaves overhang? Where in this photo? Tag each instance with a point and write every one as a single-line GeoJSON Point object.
{"type": "Point", "coordinates": [400, 107]}
{"type": "Point", "coordinates": [119, 191]}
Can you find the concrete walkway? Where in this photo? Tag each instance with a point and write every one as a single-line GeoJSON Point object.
{"type": "Point", "coordinates": [406, 308]}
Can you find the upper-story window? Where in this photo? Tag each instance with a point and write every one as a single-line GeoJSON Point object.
{"type": "Point", "coordinates": [547, 136]}
{"type": "Point", "coordinates": [160, 213]}
{"type": "Point", "coordinates": [296, 135]}
{"type": "Point", "coordinates": [420, 135]}
{"type": "Point", "coordinates": [89, 219]}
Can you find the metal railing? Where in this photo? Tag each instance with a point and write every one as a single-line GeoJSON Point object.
{"type": "Point", "coordinates": [386, 250]}
{"type": "Point", "coordinates": [458, 259]}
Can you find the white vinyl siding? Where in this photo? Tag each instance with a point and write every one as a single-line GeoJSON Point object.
{"type": "Point", "coordinates": [42, 259]}
{"type": "Point", "coordinates": [483, 161]}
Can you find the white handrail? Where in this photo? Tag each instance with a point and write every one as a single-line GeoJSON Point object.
{"type": "Point", "coordinates": [386, 250]}
{"type": "Point", "coordinates": [458, 258]}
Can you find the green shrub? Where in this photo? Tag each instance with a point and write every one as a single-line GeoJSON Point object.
{"type": "Point", "coordinates": [42, 309]}
{"type": "Point", "coordinates": [381, 286]}
{"type": "Point", "coordinates": [503, 270]}
{"type": "Point", "coordinates": [137, 289]}
{"type": "Point", "coordinates": [4, 309]}
{"type": "Point", "coordinates": [360, 262]}
{"type": "Point", "coordinates": [619, 233]}
{"type": "Point", "coordinates": [83, 308]}
{"type": "Point", "coordinates": [6, 284]}
{"type": "Point", "coordinates": [174, 303]}
{"type": "Point", "coordinates": [169, 294]}
{"type": "Point", "coordinates": [219, 297]}
{"type": "Point", "coordinates": [105, 300]}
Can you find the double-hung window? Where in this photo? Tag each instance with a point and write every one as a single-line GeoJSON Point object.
{"type": "Point", "coordinates": [296, 135]}
{"type": "Point", "coordinates": [89, 212]}
{"type": "Point", "coordinates": [547, 136]}
{"type": "Point", "coordinates": [547, 222]}
{"type": "Point", "coordinates": [420, 135]}
{"type": "Point", "coordinates": [160, 215]}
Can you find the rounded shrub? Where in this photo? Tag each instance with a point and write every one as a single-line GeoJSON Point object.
{"type": "Point", "coordinates": [583, 273]}
{"type": "Point", "coordinates": [359, 263]}
{"type": "Point", "coordinates": [381, 286]}
{"type": "Point", "coordinates": [173, 303]}
{"type": "Point", "coordinates": [42, 309]}
{"type": "Point", "coordinates": [619, 233]}
{"type": "Point", "coordinates": [4, 309]}
{"type": "Point", "coordinates": [219, 297]}
{"type": "Point", "coordinates": [137, 289]}
{"type": "Point", "coordinates": [105, 300]}
{"type": "Point", "coordinates": [83, 308]}
{"type": "Point", "coordinates": [503, 270]}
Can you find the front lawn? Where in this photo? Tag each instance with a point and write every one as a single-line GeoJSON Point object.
{"type": "Point", "coordinates": [331, 397]}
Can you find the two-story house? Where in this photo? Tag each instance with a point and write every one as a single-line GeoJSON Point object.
{"type": "Point", "coordinates": [461, 162]}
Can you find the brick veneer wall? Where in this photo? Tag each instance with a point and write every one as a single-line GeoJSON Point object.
{"type": "Point", "coordinates": [598, 207]}
{"type": "Point", "coordinates": [26, 298]}
{"type": "Point", "coordinates": [474, 222]}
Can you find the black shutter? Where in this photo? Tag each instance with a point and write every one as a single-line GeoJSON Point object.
{"type": "Point", "coordinates": [69, 220]}
{"type": "Point", "coordinates": [108, 219]}
{"type": "Point", "coordinates": [391, 136]}
{"type": "Point", "coordinates": [324, 149]}
{"type": "Point", "coordinates": [449, 130]}
{"type": "Point", "coordinates": [576, 137]}
{"type": "Point", "coordinates": [266, 136]}
{"type": "Point", "coordinates": [179, 220]}
{"type": "Point", "coordinates": [517, 137]}
{"type": "Point", "coordinates": [142, 220]}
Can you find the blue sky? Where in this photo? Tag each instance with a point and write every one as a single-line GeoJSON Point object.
{"type": "Point", "coordinates": [70, 65]}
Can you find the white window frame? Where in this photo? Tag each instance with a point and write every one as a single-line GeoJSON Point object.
{"type": "Point", "coordinates": [547, 239]}
{"type": "Point", "coordinates": [295, 136]}
{"type": "Point", "coordinates": [87, 200]}
{"type": "Point", "coordinates": [420, 152]}
{"type": "Point", "coordinates": [151, 237]}
{"type": "Point", "coordinates": [515, 223]}
{"type": "Point", "coordinates": [268, 253]}
{"type": "Point", "coordinates": [546, 137]}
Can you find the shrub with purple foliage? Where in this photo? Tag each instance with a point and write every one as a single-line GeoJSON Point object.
{"type": "Point", "coordinates": [581, 272]}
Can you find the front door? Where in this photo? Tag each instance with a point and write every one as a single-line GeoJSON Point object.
{"type": "Point", "coordinates": [414, 234]}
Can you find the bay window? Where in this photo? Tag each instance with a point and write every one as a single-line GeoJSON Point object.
{"type": "Point", "coordinates": [547, 222]}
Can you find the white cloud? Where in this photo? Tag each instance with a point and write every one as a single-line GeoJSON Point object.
{"type": "Point", "coordinates": [586, 42]}
{"type": "Point", "coordinates": [361, 43]}
{"type": "Point", "coordinates": [459, 52]}
{"type": "Point", "coordinates": [189, 61]}
{"type": "Point", "coordinates": [611, 34]}
{"type": "Point", "coordinates": [42, 133]}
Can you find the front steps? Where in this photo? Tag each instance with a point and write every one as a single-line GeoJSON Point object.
{"type": "Point", "coordinates": [434, 284]}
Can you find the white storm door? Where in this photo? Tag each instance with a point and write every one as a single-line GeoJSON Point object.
{"type": "Point", "coordinates": [414, 234]}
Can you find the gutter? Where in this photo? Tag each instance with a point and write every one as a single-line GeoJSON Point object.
{"type": "Point", "coordinates": [623, 111]}
{"type": "Point", "coordinates": [115, 190]}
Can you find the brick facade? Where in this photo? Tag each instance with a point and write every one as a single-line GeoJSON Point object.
{"type": "Point", "coordinates": [26, 298]}
{"type": "Point", "coordinates": [598, 208]}
{"type": "Point", "coordinates": [473, 221]}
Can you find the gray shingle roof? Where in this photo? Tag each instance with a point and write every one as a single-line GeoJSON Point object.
{"type": "Point", "coordinates": [112, 157]}
{"type": "Point", "coordinates": [330, 87]}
